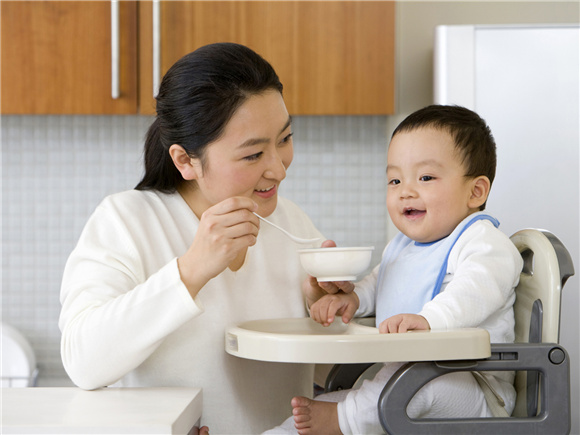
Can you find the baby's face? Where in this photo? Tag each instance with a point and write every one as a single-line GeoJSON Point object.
{"type": "Point", "coordinates": [428, 193]}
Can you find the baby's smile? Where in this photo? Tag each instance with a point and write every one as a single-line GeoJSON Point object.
{"type": "Point", "coordinates": [413, 213]}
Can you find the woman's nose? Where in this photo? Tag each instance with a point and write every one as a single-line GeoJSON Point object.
{"type": "Point", "coordinates": [275, 169]}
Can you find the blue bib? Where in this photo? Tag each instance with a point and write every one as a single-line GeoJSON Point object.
{"type": "Point", "coordinates": [412, 273]}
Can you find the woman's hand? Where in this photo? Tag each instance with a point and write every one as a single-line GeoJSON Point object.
{"type": "Point", "coordinates": [225, 230]}
{"type": "Point", "coordinates": [314, 290]}
{"type": "Point", "coordinates": [332, 287]}
{"type": "Point", "coordinates": [326, 308]}
{"type": "Point", "coordinates": [403, 323]}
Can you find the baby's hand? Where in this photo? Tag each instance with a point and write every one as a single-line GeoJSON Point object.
{"type": "Point", "coordinates": [327, 307]}
{"type": "Point", "coordinates": [403, 323]}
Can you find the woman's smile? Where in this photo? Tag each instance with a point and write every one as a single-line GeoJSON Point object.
{"type": "Point", "coordinates": [266, 193]}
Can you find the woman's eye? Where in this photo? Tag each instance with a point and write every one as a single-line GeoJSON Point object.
{"type": "Point", "coordinates": [426, 178]}
{"type": "Point", "coordinates": [287, 138]}
{"type": "Point", "coordinates": [253, 157]}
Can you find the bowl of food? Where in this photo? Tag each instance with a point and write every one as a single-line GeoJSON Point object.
{"type": "Point", "coordinates": [336, 264]}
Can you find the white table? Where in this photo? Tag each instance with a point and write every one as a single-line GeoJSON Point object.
{"type": "Point", "coordinates": [103, 411]}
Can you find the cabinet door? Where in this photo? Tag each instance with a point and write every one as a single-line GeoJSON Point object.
{"type": "Point", "coordinates": [56, 57]}
{"type": "Point", "coordinates": [333, 57]}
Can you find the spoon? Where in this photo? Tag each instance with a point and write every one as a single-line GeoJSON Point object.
{"type": "Point", "coordinates": [296, 239]}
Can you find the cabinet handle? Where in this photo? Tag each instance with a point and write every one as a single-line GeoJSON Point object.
{"type": "Point", "coordinates": [156, 47]}
{"type": "Point", "coordinates": [115, 49]}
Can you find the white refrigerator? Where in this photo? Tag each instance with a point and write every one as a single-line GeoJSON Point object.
{"type": "Point", "coordinates": [524, 81]}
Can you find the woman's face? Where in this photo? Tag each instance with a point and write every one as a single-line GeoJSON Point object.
{"type": "Point", "coordinates": [250, 158]}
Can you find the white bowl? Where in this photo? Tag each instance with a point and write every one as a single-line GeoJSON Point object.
{"type": "Point", "coordinates": [336, 264]}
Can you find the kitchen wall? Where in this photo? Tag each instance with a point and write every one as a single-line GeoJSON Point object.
{"type": "Point", "coordinates": [56, 169]}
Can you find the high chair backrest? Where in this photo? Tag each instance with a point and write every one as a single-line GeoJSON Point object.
{"type": "Point", "coordinates": [547, 266]}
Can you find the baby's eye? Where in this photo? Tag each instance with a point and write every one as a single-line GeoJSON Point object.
{"type": "Point", "coordinates": [394, 182]}
{"type": "Point", "coordinates": [426, 178]}
{"type": "Point", "coordinates": [253, 157]}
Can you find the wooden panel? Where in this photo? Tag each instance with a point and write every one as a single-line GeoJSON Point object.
{"type": "Point", "coordinates": [56, 58]}
{"type": "Point", "coordinates": [333, 57]}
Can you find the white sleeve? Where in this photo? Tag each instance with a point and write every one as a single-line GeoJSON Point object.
{"type": "Point", "coordinates": [113, 317]}
{"type": "Point", "coordinates": [484, 266]}
{"type": "Point", "coordinates": [366, 291]}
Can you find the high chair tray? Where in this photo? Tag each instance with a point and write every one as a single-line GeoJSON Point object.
{"type": "Point", "coordinates": [305, 341]}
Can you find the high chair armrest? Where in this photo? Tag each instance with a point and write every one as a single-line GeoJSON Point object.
{"type": "Point", "coordinates": [551, 360]}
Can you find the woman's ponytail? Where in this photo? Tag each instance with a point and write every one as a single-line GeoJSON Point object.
{"type": "Point", "coordinates": [160, 172]}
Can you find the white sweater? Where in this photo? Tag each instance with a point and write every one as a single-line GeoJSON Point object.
{"type": "Point", "coordinates": [128, 320]}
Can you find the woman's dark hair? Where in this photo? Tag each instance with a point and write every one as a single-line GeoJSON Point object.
{"type": "Point", "coordinates": [472, 136]}
{"type": "Point", "coordinates": [197, 97]}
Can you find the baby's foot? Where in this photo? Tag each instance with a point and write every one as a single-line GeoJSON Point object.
{"type": "Point", "coordinates": [315, 417]}
{"type": "Point", "coordinates": [204, 430]}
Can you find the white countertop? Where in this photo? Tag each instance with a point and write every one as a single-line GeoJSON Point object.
{"type": "Point", "coordinates": [103, 411]}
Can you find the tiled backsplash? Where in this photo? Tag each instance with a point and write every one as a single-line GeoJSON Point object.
{"type": "Point", "coordinates": [56, 169]}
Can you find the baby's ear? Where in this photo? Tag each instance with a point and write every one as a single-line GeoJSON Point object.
{"type": "Point", "coordinates": [189, 168]}
{"type": "Point", "coordinates": [480, 187]}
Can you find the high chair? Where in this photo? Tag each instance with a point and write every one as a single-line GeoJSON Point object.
{"type": "Point", "coordinates": [542, 366]}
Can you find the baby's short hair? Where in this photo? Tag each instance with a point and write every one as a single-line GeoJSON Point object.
{"type": "Point", "coordinates": [471, 134]}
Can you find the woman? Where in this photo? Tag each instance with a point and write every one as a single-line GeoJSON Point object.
{"type": "Point", "coordinates": [160, 272]}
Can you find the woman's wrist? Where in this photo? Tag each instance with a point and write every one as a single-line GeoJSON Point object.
{"type": "Point", "coordinates": [193, 281]}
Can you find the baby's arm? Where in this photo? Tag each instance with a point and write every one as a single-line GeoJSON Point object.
{"type": "Point", "coordinates": [403, 323]}
{"type": "Point", "coordinates": [326, 308]}
{"type": "Point", "coordinates": [485, 267]}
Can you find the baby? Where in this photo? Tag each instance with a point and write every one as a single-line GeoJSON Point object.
{"type": "Point", "coordinates": [449, 267]}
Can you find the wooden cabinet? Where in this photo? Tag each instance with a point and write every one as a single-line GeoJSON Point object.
{"type": "Point", "coordinates": [56, 57]}
{"type": "Point", "coordinates": [333, 57]}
